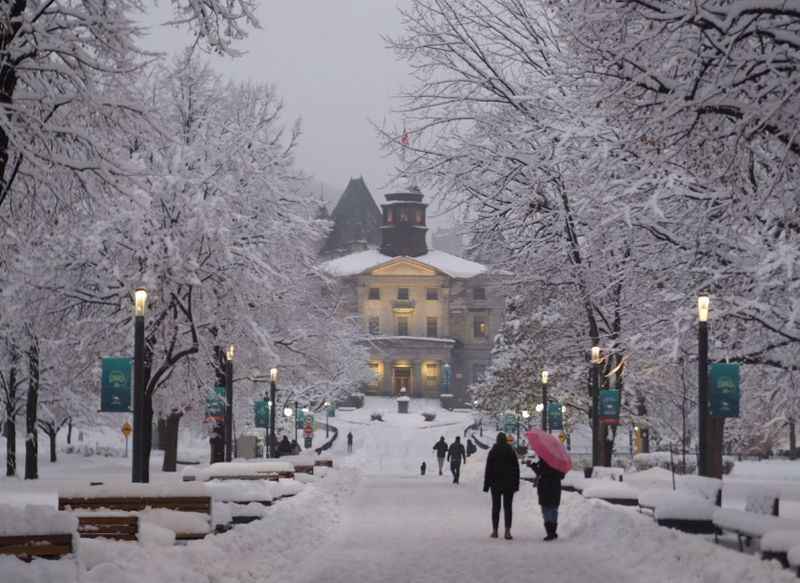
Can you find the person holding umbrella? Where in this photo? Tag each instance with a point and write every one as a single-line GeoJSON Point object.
{"type": "Point", "coordinates": [502, 478]}
{"type": "Point", "coordinates": [553, 463]}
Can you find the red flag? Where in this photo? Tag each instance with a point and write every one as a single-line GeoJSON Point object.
{"type": "Point", "coordinates": [405, 139]}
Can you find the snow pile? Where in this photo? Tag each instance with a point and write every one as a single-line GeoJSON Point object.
{"type": "Point", "coordinates": [780, 541]}
{"type": "Point", "coordinates": [35, 520]}
{"type": "Point", "coordinates": [683, 506]}
{"type": "Point", "coordinates": [176, 521]}
{"type": "Point", "coordinates": [152, 534]}
{"type": "Point", "coordinates": [244, 490]}
{"type": "Point", "coordinates": [609, 490]}
{"type": "Point", "coordinates": [793, 556]}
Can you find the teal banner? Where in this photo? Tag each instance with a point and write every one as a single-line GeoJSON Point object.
{"type": "Point", "coordinates": [262, 414]}
{"type": "Point", "coordinates": [609, 406]}
{"type": "Point", "coordinates": [332, 411]}
{"type": "Point", "coordinates": [724, 390]}
{"type": "Point", "coordinates": [115, 385]}
{"type": "Point", "coordinates": [555, 420]}
{"type": "Point", "coordinates": [301, 419]}
{"type": "Point", "coordinates": [215, 405]}
{"type": "Point", "coordinates": [510, 423]}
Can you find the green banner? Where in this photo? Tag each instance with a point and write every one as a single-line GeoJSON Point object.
{"type": "Point", "coordinates": [332, 410]}
{"type": "Point", "coordinates": [215, 404]}
{"type": "Point", "coordinates": [724, 390]}
{"type": "Point", "coordinates": [510, 423]}
{"type": "Point", "coordinates": [301, 419]}
{"type": "Point", "coordinates": [262, 414]}
{"type": "Point", "coordinates": [609, 406]}
{"type": "Point", "coordinates": [555, 421]}
{"type": "Point", "coordinates": [115, 385]}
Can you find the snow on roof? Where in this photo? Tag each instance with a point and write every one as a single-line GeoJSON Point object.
{"type": "Point", "coordinates": [362, 261]}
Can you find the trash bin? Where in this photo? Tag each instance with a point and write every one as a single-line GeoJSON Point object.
{"type": "Point", "coordinates": [402, 404]}
{"type": "Point", "coordinates": [587, 472]}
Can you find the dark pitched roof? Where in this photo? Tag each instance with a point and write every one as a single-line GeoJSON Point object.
{"type": "Point", "coordinates": [356, 218]}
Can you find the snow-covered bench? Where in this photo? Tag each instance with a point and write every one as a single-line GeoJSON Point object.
{"type": "Point", "coordinates": [611, 492]}
{"type": "Point", "coordinates": [36, 531]}
{"type": "Point", "coordinates": [269, 470]}
{"type": "Point", "coordinates": [759, 517]}
{"type": "Point", "coordinates": [116, 527]}
{"type": "Point", "coordinates": [690, 508]}
{"type": "Point", "coordinates": [776, 544]}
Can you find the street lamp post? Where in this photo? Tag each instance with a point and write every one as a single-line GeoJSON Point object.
{"type": "Point", "coordinates": [229, 404]}
{"type": "Point", "coordinates": [545, 378]}
{"type": "Point", "coordinates": [327, 418]}
{"type": "Point", "coordinates": [138, 461]}
{"type": "Point", "coordinates": [273, 379]}
{"type": "Point", "coordinates": [596, 359]}
{"type": "Point", "coordinates": [703, 304]}
{"type": "Point", "coordinates": [295, 421]}
{"type": "Point", "coordinates": [526, 416]}
{"type": "Point", "coordinates": [287, 412]}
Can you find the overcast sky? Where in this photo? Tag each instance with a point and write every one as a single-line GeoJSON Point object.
{"type": "Point", "coordinates": [330, 64]}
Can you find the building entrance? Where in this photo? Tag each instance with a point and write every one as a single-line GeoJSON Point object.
{"type": "Point", "coordinates": [402, 378]}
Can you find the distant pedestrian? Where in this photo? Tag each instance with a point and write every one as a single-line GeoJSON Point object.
{"type": "Point", "coordinates": [349, 442]}
{"type": "Point", "coordinates": [548, 487]}
{"type": "Point", "coordinates": [296, 449]}
{"type": "Point", "coordinates": [440, 447]}
{"type": "Point", "coordinates": [502, 478]}
{"type": "Point", "coordinates": [455, 454]}
{"type": "Point", "coordinates": [423, 466]}
{"type": "Point", "coordinates": [471, 448]}
{"type": "Point", "coordinates": [284, 447]}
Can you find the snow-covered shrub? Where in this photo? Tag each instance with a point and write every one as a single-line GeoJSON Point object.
{"type": "Point", "coordinates": [429, 416]}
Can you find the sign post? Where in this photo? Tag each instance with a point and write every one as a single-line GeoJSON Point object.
{"type": "Point", "coordinates": [115, 385]}
{"type": "Point", "coordinates": [126, 431]}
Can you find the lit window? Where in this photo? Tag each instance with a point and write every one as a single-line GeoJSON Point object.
{"type": "Point", "coordinates": [479, 327]}
{"type": "Point", "coordinates": [374, 293]}
{"type": "Point", "coordinates": [478, 293]}
{"type": "Point", "coordinates": [433, 328]}
{"type": "Point", "coordinates": [402, 326]}
{"type": "Point", "coordinates": [374, 325]}
{"type": "Point", "coordinates": [432, 374]}
{"type": "Point", "coordinates": [402, 293]}
{"type": "Point", "coordinates": [432, 293]}
{"type": "Point", "coordinates": [375, 366]}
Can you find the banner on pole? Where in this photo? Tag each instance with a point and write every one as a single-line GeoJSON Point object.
{"type": "Point", "coordinates": [725, 392]}
{"type": "Point", "coordinates": [215, 405]}
{"type": "Point", "coordinates": [261, 414]}
{"type": "Point", "coordinates": [609, 406]}
{"type": "Point", "coordinates": [555, 420]}
{"type": "Point", "coordinates": [115, 385]}
{"type": "Point", "coordinates": [510, 423]}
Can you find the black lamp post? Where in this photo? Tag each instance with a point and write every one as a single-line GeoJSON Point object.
{"type": "Point", "coordinates": [295, 421]}
{"type": "Point", "coordinates": [229, 404]}
{"type": "Point", "coordinates": [596, 360]}
{"type": "Point", "coordinates": [545, 378]}
{"type": "Point", "coordinates": [327, 418]}
{"type": "Point", "coordinates": [273, 379]}
{"type": "Point", "coordinates": [703, 303]}
{"type": "Point", "coordinates": [137, 467]}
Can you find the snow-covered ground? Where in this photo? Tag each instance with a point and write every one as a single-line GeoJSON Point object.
{"type": "Point", "coordinates": [374, 518]}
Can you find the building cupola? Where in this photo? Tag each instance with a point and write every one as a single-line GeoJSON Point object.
{"type": "Point", "coordinates": [404, 229]}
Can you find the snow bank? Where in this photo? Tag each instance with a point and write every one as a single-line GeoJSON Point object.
{"type": "Point", "coordinates": [794, 556]}
{"type": "Point", "coordinates": [176, 521]}
{"type": "Point", "coordinates": [36, 520]}
{"type": "Point", "coordinates": [155, 535]}
{"type": "Point", "coordinates": [609, 490]}
{"type": "Point", "coordinates": [244, 490]}
{"type": "Point", "coordinates": [66, 570]}
{"type": "Point", "coordinates": [778, 470]}
{"type": "Point", "coordinates": [780, 541]}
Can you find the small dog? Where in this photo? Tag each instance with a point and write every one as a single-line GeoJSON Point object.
{"type": "Point", "coordinates": [422, 469]}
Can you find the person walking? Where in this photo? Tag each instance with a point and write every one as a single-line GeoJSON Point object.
{"type": "Point", "coordinates": [284, 447]}
{"type": "Point", "coordinates": [548, 486]}
{"type": "Point", "coordinates": [440, 447]}
{"type": "Point", "coordinates": [501, 477]}
{"type": "Point", "coordinates": [471, 448]}
{"type": "Point", "coordinates": [349, 442]}
{"type": "Point", "coordinates": [455, 454]}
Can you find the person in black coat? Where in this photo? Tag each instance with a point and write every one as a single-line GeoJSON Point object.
{"type": "Point", "coordinates": [502, 478]}
{"type": "Point", "coordinates": [471, 448]}
{"type": "Point", "coordinates": [440, 447]}
{"type": "Point", "coordinates": [455, 454]}
{"type": "Point", "coordinates": [548, 486]}
{"type": "Point", "coordinates": [284, 447]}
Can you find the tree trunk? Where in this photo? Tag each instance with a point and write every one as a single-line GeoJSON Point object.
{"type": "Point", "coordinates": [792, 440]}
{"type": "Point", "coordinates": [69, 431]}
{"type": "Point", "coordinates": [161, 433]}
{"type": "Point", "coordinates": [8, 84]}
{"type": "Point", "coordinates": [216, 440]}
{"type": "Point", "coordinates": [172, 422]}
{"type": "Point", "coordinates": [31, 410]}
{"type": "Point", "coordinates": [11, 427]}
{"type": "Point", "coordinates": [52, 435]}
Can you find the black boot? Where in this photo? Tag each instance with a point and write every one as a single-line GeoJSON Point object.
{"type": "Point", "coordinates": [551, 534]}
{"type": "Point", "coordinates": [555, 528]}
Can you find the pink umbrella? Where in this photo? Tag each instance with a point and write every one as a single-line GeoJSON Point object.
{"type": "Point", "coordinates": [549, 448]}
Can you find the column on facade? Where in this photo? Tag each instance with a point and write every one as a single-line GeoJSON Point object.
{"type": "Point", "coordinates": [388, 369]}
{"type": "Point", "coordinates": [419, 378]}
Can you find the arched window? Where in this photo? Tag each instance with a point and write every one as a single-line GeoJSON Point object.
{"type": "Point", "coordinates": [390, 216]}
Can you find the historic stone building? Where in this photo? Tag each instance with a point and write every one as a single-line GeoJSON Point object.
{"type": "Point", "coordinates": [431, 316]}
